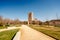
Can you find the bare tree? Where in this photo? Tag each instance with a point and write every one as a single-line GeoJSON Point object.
{"type": "Point", "coordinates": [1, 20]}
{"type": "Point", "coordinates": [16, 21]}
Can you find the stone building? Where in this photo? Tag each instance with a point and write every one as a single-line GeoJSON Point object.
{"type": "Point", "coordinates": [54, 22]}
{"type": "Point", "coordinates": [29, 18]}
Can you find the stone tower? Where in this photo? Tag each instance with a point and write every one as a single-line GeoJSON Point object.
{"type": "Point", "coordinates": [30, 18]}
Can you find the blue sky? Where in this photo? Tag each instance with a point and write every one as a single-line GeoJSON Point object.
{"type": "Point", "coordinates": [42, 9]}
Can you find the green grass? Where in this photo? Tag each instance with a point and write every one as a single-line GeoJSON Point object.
{"type": "Point", "coordinates": [7, 35]}
{"type": "Point", "coordinates": [51, 31]}
{"type": "Point", "coordinates": [1, 27]}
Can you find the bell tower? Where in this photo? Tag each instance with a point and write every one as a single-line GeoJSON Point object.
{"type": "Point", "coordinates": [30, 18]}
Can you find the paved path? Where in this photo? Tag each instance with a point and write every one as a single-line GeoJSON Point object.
{"type": "Point", "coordinates": [18, 36]}
{"type": "Point", "coordinates": [28, 33]}
{"type": "Point", "coordinates": [9, 28]}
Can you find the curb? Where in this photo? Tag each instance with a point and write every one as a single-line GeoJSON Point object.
{"type": "Point", "coordinates": [17, 36]}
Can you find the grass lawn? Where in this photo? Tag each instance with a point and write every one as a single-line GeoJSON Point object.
{"type": "Point", "coordinates": [8, 35]}
{"type": "Point", "coordinates": [51, 31]}
{"type": "Point", "coordinates": [1, 27]}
